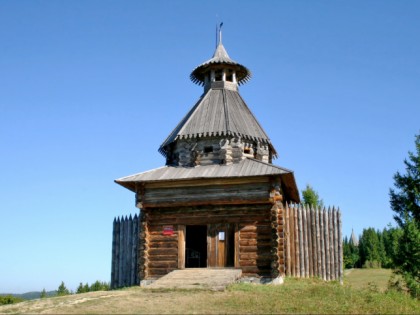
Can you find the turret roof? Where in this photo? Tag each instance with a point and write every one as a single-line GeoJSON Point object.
{"type": "Point", "coordinates": [221, 57]}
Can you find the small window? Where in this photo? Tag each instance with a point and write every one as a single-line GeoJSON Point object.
{"type": "Point", "coordinates": [247, 150]}
{"type": "Point", "coordinates": [218, 75]}
{"type": "Point", "coordinates": [229, 76]}
{"type": "Point", "coordinates": [208, 149]}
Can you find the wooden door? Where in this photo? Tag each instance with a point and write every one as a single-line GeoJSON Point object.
{"type": "Point", "coordinates": [222, 245]}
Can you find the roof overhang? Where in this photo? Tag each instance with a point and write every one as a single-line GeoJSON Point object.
{"type": "Point", "coordinates": [247, 168]}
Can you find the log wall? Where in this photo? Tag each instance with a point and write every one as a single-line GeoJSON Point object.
{"type": "Point", "coordinates": [254, 238]}
{"type": "Point", "coordinates": [124, 269]}
{"type": "Point", "coordinates": [313, 241]}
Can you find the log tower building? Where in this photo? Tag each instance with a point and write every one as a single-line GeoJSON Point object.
{"type": "Point", "coordinates": [219, 201]}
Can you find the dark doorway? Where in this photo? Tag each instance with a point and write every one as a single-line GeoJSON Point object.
{"type": "Point", "coordinates": [196, 246]}
{"type": "Point", "coordinates": [230, 255]}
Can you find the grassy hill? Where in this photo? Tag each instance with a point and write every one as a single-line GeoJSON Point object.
{"type": "Point", "coordinates": [295, 296]}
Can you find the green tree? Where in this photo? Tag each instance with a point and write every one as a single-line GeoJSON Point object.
{"type": "Point", "coordinates": [391, 238]}
{"type": "Point", "coordinates": [370, 249]}
{"type": "Point", "coordinates": [381, 248]}
{"type": "Point", "coordinates": [9, 299]}
{"type": "Point", "coordinates": [405, 201]}
{"type": "Point", "coordinates": [43, 294]}
{"type": "Point", "coordinates": [62, 290]}
{"type": "Point", "coordinates": [99, 286]}
{"type": "Point", "coordinates": [82, 288]}
{"type": "Point", "coordinates": [311, 197]}
{"type": "Point", "coordinates": [350, 254]}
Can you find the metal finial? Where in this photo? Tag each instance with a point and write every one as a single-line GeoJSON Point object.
{"type": "Point", "coordinates": [220, 33]}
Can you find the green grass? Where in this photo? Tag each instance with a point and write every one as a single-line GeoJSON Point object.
{"type": "Point", "coordinates": [368, 278]}
{"type": "Point", "coordinates": [315, 296]}
{"type": "Point", "coordinates": [363, 292]}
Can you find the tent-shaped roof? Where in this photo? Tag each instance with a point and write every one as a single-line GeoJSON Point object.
{"type": "Point", "coordinates": [219, 112]}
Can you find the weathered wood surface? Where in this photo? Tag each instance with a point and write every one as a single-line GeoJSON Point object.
{"type": "Point", "coordinates": [252, 234]}
{"type": "Point", "coordinates": [125, 242]}
{"type": "Point", "coordinates": [246, 193]}
{"type": "Point", "coordinates": [313, 243]}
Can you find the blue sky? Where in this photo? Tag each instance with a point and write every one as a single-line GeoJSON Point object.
{"type": "Point", "coordinates": [90, 89]}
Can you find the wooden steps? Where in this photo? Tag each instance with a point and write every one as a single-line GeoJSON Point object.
{"type": "Point", "coordinates": [198, 278]}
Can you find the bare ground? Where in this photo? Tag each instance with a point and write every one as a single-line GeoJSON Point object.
{"type": "Point", "coordinates": [132, 300]}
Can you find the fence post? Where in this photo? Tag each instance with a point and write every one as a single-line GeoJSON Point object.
{"type": "Point", "coordinates": [301, 241]}
{"type": "Point", "coordinates": [309, 232]}
{"type": "Point", "coordinates": [287, 240]}
{"type": "Point", "coordinates": [297, 239]}
{"type": "Point", "coordinates": [114, 253]}
{"type": "Point", "coordinates": [336, 261]}
{"type": "Point", "coordinates": [340, 247]}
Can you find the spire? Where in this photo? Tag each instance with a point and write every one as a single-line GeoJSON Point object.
{"type": "Point", "coordinates": [354, 239]}
{"type": "Point", "coordinates": [220, 33]}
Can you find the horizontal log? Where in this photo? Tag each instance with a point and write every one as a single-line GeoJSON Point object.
{"type": "Point", "coordinates": [255, 228]}
{"type": "Point", "coordinates": [164, 251]}
{"type": "Point", "coordinates": [208, 208]}
{"type": "Point", "coordinates": [208, 220]}
{"type": "Point", "coordinates": [208, 182]}
{"type": "Point", "coordinates": [162, 257]}
{"type": "Point", "coordinates": [254, 242]}
{"type": "Point", "coordinates": [247, 263]}
{"type": "Point", "coordinates": [254, 256]}
{"type": "Point", "coordinates": [163, 245]}
{"type": "Point", "coordinates": [199, 214]}
{"type": "Point", "coordinates": [256, 249]}
{"type": "Point", "coordinates": [261, 263]}
{"type": "Point", "coordinates": [255, 236]}
{"type": "Point", "coordinates": [163, 264]}
{"type": "Point", "coordinates": [163, 238]}
{"type": "Point", "coordinates": [205, 202]}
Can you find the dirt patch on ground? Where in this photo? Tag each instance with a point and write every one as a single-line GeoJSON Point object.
{"type": "Point", "coordinates": [133, 300]}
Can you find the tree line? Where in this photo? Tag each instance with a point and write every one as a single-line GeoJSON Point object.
{"type": "Point", "coordinates": [393, 247]}
{"type": "Point", "coordinates": [82, 288]}
{"type": "Point", "coordinates": [374, 248]}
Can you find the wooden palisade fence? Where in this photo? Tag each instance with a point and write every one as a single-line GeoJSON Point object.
{"type": "Point", "coordinates": [124, 268]}
{"type": "Point", "coordinates": [311, 245]}
{"type": "Point", "coordinates": [313, 238]}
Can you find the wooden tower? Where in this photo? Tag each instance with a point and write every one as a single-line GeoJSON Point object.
{"type": "Point", "coordinates": [219, 201]}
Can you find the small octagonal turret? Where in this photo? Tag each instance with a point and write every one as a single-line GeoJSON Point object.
{"type": "Point", "coordinates": [220, 68]}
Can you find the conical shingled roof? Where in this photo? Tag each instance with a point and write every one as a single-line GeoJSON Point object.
{"type": "Point", "coordinates": [221, 57]}
{"type": "Point", "coordinates": [219, 112]}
